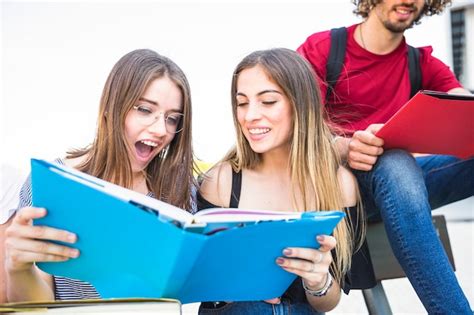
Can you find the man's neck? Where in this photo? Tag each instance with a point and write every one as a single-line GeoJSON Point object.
{"type": "Point", "coordinates": [373, 36]}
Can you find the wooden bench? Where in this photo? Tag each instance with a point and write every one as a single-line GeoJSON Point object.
{"type": "Point", "coordinates": [386, 265]}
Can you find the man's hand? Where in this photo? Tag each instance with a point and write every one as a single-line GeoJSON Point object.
{"type": "Point", "coordinates": [364, 148]}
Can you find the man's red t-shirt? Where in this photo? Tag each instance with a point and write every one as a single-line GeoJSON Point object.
{"type": "Point", "coordinates": [371, 88]}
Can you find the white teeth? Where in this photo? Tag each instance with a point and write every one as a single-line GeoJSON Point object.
{"type": "Point", "coordinates": [149, 143]}
{"type": "Point", "coordinates": [403, 11]}
{"type": "Point", "coordinates": [257, 131]}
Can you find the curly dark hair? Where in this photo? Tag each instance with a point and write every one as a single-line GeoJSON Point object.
{"type": "Point", "coordinates": [432, 7]}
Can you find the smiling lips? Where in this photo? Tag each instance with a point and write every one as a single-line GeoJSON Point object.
{"type": "Point", "coordinates": [256, 134]}
{"type": "Point", "coordinates": [404, 10]}
{"type": "Point", "coordinates": [258, 131]}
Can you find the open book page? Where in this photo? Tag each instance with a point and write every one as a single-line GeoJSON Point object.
{"type": "Point", "coordinates": [214, 220]}
{"type": "Point", "coordinates": [242, 215]}
{"type": "Point", "coordinates": [142, 201]}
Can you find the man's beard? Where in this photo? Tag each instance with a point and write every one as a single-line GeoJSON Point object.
{"type": "Point", "coordinates": [398, 27]}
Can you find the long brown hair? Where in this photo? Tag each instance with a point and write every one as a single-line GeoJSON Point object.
{"type": "Point", "coordinates": [313, 159]}
{"type": "Point", "coordinates": [170, 174]}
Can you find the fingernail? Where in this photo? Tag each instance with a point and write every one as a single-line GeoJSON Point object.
{"type": "Point", "coordinates": [287, 252]}
{"type": "Point", "coordinates": [71, 238]}
{"type": "Point", "coordinates": [74, 253]}
{"type": "Point", "coordinates": [280, 261]}
{"type": "Point", "coordinates": [320, 238]}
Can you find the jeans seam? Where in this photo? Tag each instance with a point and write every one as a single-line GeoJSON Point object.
{"type": "Point", "coordinates": [395, 224]}
{"type": "Point", "coordinates": [444, 167]}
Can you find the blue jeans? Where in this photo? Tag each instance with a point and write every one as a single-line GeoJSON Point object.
{"type": "Point", "coordinates": [258, 307]}
{"type": "Point", "coordinates": [402, 190]}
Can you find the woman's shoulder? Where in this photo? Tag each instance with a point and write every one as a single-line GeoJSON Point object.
{"type": "Point", "coordinates": [216, 184]}
{"type": "Point", "coordinates": [348, 185]}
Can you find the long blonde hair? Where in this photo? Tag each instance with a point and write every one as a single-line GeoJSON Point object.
{"type": "Point", "coordinates": [170, 174]}
{"type": "Point", "coordinates": [313, 159]}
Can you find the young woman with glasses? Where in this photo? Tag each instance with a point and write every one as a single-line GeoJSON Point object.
{"type": "Point", "coordinates": [143, 142]}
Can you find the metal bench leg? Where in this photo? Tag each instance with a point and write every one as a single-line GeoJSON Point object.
{"type": "Point", "coordinates": [376, 300]}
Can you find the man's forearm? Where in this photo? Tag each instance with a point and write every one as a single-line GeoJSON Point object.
{"type": "Point", "coordinates": [342, 147]}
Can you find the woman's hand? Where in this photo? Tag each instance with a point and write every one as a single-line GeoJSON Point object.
{"type": "Point", "coordinates": [312, 265]}
{"type": "Point", "coordinates": [26, 244]}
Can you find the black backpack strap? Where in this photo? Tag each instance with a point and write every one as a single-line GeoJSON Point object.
{"type": "Point", "coordinates": [335, 61]}
{"type": "Point", "coordinates": [414, 70]}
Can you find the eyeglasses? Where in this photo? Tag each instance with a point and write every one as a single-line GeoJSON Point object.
{"type": "Point", "coordinates": [147, 117]}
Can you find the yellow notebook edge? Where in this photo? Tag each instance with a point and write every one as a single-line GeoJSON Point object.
{"type": "Point", "coordinates": [40, 305]}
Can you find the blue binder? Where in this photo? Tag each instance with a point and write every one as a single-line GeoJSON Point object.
{"type": "Point", "coordinates": [128, 252]}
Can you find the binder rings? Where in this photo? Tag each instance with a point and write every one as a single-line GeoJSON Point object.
{"type": "Point", "coordinates": [432, 122]}
{"type": "Point", "coordinates": [132, 245]}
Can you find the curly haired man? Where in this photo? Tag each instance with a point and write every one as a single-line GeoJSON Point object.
{"type": "Point", "coordinates": [396, 186]}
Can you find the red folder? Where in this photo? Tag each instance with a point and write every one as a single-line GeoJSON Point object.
{"type": "Point", "coordinates": [432, 122]}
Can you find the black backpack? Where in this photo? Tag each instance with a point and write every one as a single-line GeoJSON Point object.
{"type": "Point", "coordinates": [336, 61]}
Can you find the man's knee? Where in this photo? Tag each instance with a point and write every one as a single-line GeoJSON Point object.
{"type": "Point", "coordinates": [397, 173]}
{"type": "Point", "coordinates": [394, 160]}
{"type": "Point", "coordinates": [397, 166]}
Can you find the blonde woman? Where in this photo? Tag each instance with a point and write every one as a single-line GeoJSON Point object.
{"type": "Point", "coordinates": [284, 160]}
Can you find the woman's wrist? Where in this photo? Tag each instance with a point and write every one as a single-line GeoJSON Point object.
{"type": "Point", "coordinates": [322, 291]}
